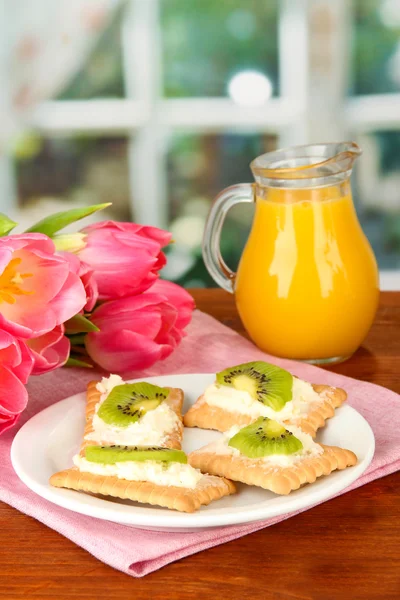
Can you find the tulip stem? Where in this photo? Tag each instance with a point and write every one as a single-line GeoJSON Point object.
{"type": "Point", "coordinates": [79, 350]}
{"type": "Point", "coordinates": [74, 362]}
{"type": "Point", "coordinates": [77, 340]}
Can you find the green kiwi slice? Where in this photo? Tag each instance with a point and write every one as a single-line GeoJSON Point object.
{"type": "Point", "coordinates": [109, 455]}
{"type": "Point", "coordinates": [266, 383]}
{"type": "Point", "coordinates": [127, 403]}
{"type": "Point", "coordinates": [265, 437]}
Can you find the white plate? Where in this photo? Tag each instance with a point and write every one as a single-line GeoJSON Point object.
{"type": "Point", "coordinates": [47, 442]}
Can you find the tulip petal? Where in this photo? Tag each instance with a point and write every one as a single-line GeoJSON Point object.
{"type": "Point", "coordinates": [136, 331]}
{"type": "Point", "coordinates": [105, 314]}
{"type": "Point", "coordinates": [5, 257]}
{"type": "Point", "coordinates": [31, 241]}
{"type": "Point", "coordinates": [10, 351]}
{"type": "Point", "coordinates": [123, 351]}
{"type": "Point", "coordinates": [169, 314]}
{"type": "Point", "coordinates": [71, 296]}
{"type": "Point", "coordinates": [8, 422]}
{"type": "Point", "coordinates": [49, 351]}
{"type": "Point", "coordinates": [154, 233]}
{"type": "Point", "coordinates": [15, 355]}
{"type": "Point", "coordinates": [13, 398]}
{"type": "Point", "coordinates": [178, 297]}
{"type": "Point", "coordinates": [24, 369]}
{"type": "Point", "coordinates": [47, 292]}
{"type": "Point", "coordinates": [86, 275]}
{"type": "Point", "coordinates": [125, 257]}
{"type": "Point", "coordinates": [146, 321]}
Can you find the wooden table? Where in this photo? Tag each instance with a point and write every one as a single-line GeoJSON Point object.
{"type": "Point", "coordinates": [347, 548]}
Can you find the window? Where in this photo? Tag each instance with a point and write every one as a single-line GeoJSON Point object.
{"type": "Point", "coordinates": [374, 121]}
{"type": "Point", "coordinates": [158, 118]}
{"type": "Point", "coordinates": [79, 170]}
{"type": "Point", "coordinates": [102, 73]}
{"type": "Point", "coordinates": [376, 47]}
{"type": "Point", "coordinates": [204, 43]}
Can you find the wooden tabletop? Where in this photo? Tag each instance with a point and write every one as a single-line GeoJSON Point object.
{"type": "Point", "coordinates": [347, 548]}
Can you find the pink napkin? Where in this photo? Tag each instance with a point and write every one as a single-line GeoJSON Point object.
{"type": "Point", "coordinates": [209, 347]}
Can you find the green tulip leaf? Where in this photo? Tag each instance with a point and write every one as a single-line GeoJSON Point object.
{"type": "Point", "coordinates": [74, 362]}
{"type": "Point", "coordinates": [80, 324]}
{"type": "Point", "coordinates": [54, 223]}
{"type": "Point", "coordinates": [6, 225]}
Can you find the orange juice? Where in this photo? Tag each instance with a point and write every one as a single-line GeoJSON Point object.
{"type": "Point", "coordinates": [307, 284]}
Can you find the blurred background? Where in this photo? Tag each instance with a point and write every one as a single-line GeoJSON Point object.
{"type": "Point", "coordinates": [156, 105]}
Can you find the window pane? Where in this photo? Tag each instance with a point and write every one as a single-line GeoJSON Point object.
{"type": "Point", "coordinates": [206, 42]}
{"type": "Point", "coordinates": [377, 180]}
{"type": "Point", "coordinates": [55, 173]}
{"type": "Point", "coordinates": [376, 46]}
{"type": "Point", "coordinates": [200, 166]}
{"type": "Point", "coordinates": [101, 74]}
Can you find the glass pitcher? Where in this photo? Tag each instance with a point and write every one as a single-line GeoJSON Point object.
{"type": "Point", "coordinates": [307, 285]}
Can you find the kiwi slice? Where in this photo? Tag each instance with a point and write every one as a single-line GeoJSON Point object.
{"type": "Point", "coordinates": [127, 403]}
{"type": "Point", "coordinates": [266, 383]}
{"type": "Point", "coordinates": [265, 437]}
{"type": "Point", "coordinates": [109, 455]}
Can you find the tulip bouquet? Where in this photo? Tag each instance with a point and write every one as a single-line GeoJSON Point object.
{"type": "Point", "coordinates": [81, 299]}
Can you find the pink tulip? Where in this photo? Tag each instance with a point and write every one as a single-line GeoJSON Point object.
{"type": "Point", "coordinates": [38, 291]}
{"type": "Point", "coordinates": [86, 275]}
{"type": "Point", "coordinates": [16, 364]}
{"type": "Point", "coordinates": [178, 297]}
{"type": "Point", "coordinates": [49, 351]}
{"type": "Point", "coordinates": [137, 331]}
{"type": "Point", "coordinates": [125, 257]}
{"type": "Point", "coordinates": [92, 293]}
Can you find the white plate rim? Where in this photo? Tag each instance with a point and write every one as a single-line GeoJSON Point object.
{"type": "Point", "coordinates": [167, 520]}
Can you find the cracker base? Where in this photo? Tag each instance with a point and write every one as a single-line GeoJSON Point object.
{"type": "Point", "coordinates": [206, 416]}
{"type": "Point", "coordinates": [277, 479]}
{"type": "Point", "coordinates": [187, 500]}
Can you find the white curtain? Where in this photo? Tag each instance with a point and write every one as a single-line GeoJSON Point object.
{"type": "Point", "coordinates": [42, 44]}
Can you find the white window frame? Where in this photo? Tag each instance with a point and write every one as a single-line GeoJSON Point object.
{"type": "Point", "coordinates": [148, 119]}
{"type": "Point", "coordinates": [301, 114]}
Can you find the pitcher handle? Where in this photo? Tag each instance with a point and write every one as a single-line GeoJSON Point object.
{"type": "Point", "coordinates": [216, 266]}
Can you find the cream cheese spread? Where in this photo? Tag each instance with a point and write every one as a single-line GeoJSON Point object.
{"type": "Point", "coordinates": [160, 473]}
{"type": "Point", "coordinates": [303, 395]}
{"type": "Point", "coordinates": [150, 430]}
{"type": "Point", "coordinates": [310, 448]}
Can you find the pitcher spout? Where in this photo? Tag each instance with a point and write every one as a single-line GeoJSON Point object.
{"type": "Point", "coordinates": [304, 166]}
{"type": "Point", "coordinates": [344, 156]}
